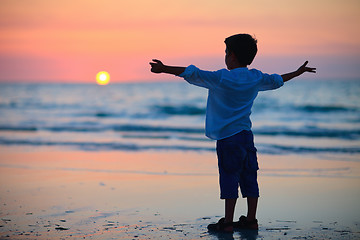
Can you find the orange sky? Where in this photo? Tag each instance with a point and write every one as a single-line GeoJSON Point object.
{"type": "Point", "coordinates": [72, 40]}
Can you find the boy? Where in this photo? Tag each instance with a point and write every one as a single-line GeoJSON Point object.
{"type": "Point", "coordinates": [232, 92]}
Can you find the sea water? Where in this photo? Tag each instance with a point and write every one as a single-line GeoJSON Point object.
{"type": "Point", "coordinates": [307, 117]}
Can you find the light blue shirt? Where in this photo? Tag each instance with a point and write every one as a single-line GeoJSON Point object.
{"type": "Point", "coordinates": [231, 96]}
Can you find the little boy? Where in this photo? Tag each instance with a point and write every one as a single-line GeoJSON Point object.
{"type": "Point", "coordinates": [232, 92]}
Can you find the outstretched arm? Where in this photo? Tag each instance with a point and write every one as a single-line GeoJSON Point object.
{"type": "Point", "coordinates": [158, 67]}
{"type": "Point", "coordinates": [288, 76]}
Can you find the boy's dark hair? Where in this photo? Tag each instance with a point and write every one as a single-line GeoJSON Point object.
{"type": "Point", "coordinates": [243, 46]}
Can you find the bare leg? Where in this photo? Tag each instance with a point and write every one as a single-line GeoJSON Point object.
{"type": "Point", "coordinates": [229, 209]}
{"type": "Point", "coordinates": [252, 205]}
{"type": "Point", "coordinates": [225, 224]}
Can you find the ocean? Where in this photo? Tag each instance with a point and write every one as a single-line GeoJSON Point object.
{"type": "Point", "coordinates": [304, 117]}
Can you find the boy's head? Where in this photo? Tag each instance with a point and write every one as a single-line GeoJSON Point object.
{"type": "Point", "coordinates": [243, 46]}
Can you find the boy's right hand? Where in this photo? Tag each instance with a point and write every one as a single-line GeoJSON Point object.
{"type": "Point", "coordinates": [157, 66]}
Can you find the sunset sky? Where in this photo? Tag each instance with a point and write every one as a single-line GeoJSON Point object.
{"type": "Point", "coordinates": [72, 40]}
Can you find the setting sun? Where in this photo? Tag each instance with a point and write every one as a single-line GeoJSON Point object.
{"type": "Point", "coordinates": [102, 78]}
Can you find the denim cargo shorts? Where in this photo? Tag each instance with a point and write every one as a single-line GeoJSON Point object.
{"type": "Point", "coordinates": [238, 165]}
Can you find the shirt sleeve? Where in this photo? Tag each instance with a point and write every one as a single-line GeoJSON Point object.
{"type": "Point", "coordinates": [201, 78]}
{"type": "Point", "coordinates": [270, 82]}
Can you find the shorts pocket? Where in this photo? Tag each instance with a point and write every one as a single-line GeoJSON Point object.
{"type": "Point", "coordinates": [251, 162]}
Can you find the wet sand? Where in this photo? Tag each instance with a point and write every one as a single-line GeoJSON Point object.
{"type": "Point", "coordinates": [55, 194]}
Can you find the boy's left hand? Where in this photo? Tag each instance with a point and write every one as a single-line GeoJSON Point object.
{"type": "Point", "coordinates": [304, 68]}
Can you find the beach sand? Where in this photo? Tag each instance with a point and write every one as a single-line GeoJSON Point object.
{"type": "Point", "coordinates": [51, 193]}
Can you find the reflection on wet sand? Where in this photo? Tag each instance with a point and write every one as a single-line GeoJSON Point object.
{"type": "Point", "coordinates": [161, 195]}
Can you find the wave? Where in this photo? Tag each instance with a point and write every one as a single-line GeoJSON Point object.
{"type": "Point", "coordinates": [345, 172]}
{"type": "Point", "coordinates": [305, 131]}
{"type": "Point", "coordinates": [104, 114]}
{"type": "Point", "coordinates": [202, 138]}
{"type": "Point", "coordinates": [189, 110]}
{"type": "Point", "coordinates": [98, 114]}
{"type": "Point", "coordinates": [325, 108]}
{"type": "Point", "coordinates": [26, 105]}
{"type": "Point", "coordinates": [18, 128]}
{"type": "Point", "coordinates": [148, 128]}
{"type": "Point", "coordinates": [101, 146]}
{"type": "Point", "coordinates": [270, 106]}
{"type": "Point", "coordinates": [87, 127]}
{"type": "Point", "coordinates": [175, 109]}
{"type": "Point", "coordinates": [282, 149]}
{"type": "Point", "coordinates": [274, 149]}
{"type": "Point", "coordinates": [312, 132]}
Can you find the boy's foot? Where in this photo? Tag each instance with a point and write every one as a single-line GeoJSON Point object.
{"type": "Point", "coordinates": [221, 226]}
{"type": "Point", "coordinates": [243, 223]}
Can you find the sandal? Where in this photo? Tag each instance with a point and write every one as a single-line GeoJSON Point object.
{"type": "Point", "coordinates": [220, 226]}
{"type": "Point", "coordinates": [243, 223]}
